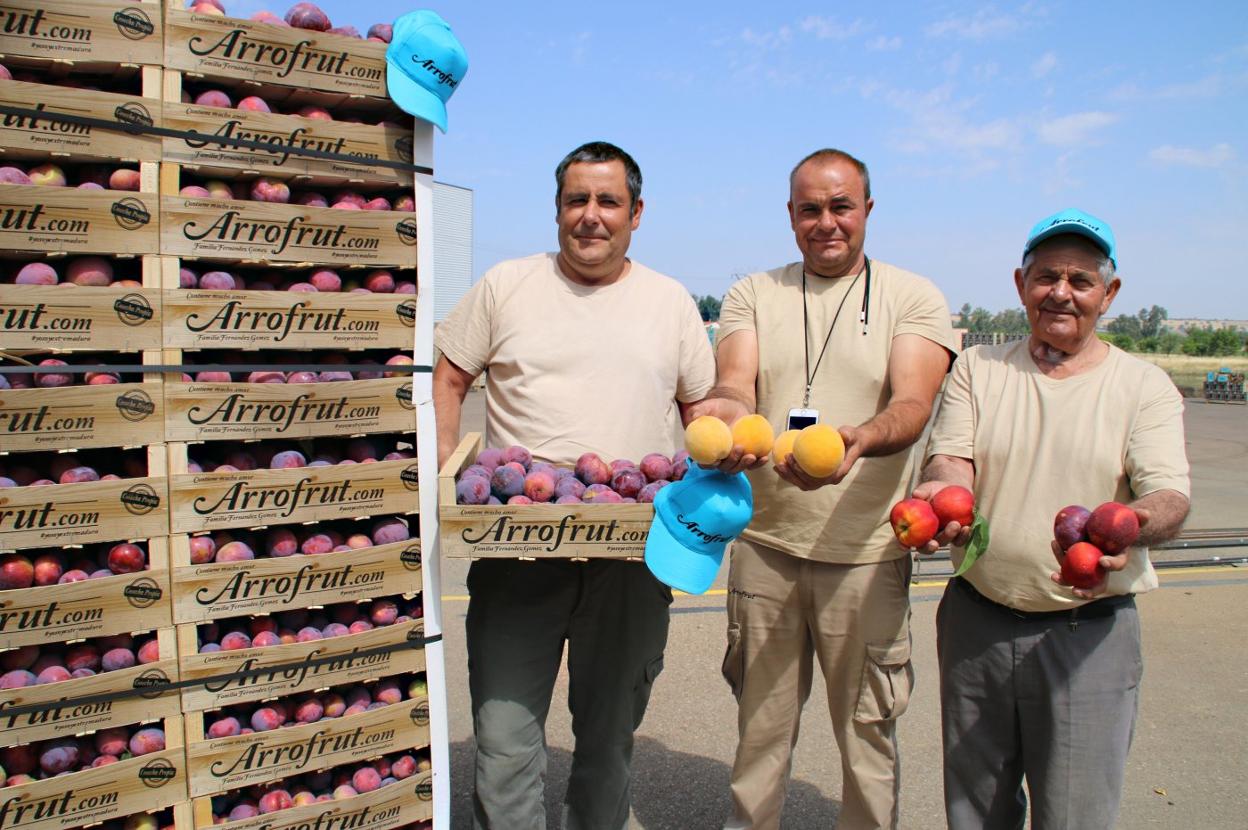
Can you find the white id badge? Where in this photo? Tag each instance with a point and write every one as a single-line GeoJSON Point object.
{"type": "Point", "coordinates": [802, 418]}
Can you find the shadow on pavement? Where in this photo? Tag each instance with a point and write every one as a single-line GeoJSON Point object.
{"type": "Point", "coordinates": [671, 790]}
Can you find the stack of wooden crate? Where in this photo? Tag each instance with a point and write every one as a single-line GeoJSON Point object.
{"type": "Point", "coordinates": [264, 432]}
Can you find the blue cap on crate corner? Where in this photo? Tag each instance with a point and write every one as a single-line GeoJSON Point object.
{"type": "Point", "coordinates": [424, 64]}
{"type": "Point", "coordinates": [694, 520]}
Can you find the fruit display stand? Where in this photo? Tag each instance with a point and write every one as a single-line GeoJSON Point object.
{"type": "Point", "coordinates": [534, 531]}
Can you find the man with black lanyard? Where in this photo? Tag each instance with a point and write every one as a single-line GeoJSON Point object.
{"type": "Point", "coordinates": [818, 571]}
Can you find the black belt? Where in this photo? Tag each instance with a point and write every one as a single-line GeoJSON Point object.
{"type": "Point", "coordinates": [1103, 607]}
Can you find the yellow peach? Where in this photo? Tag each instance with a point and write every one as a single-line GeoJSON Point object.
{"type": "Point", "coordinates": [754, 435]}
{"type": "Point", "coordinates": [708, 440]}
{"type": "Point", "coordinates": [784, 445]}
{"type": "Point", "coordinates": [819, 450]}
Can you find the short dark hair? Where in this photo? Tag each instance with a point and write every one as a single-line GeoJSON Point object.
{"type": "Point", "coordinates": [830, 154]}
{"type": "Point", "coordinates": [596, 152]}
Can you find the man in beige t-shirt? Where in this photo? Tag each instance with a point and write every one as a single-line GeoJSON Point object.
{"type": "Point", "coordinates": [817, 572]}
{"type": "Point", "coordinates": [587, 351]}
{"type": "Point", "coordinates": [1040, 681]}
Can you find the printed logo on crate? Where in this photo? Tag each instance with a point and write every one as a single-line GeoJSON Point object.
{"type": "Point", "coordinates": [208, 412]}
{"type": "Point", "coordinates": [364, 575]}
{"type": "Point", "coordinates": [85, 705]}
{"type": "Point", "coordinates": [195, 226]}
{"type": "Point", "coordinates": [62, 219]}
{"type": "Point", "coordinates": [77, 417]}
{"type": "Point", "coordinates": [99, 511]}
{"type": "Point", "coordinates": [293, 57]}
{"type": "Point", "coordinates": [411, 557]}
{"type": "Point", "coordinates": [231, 763]}
{"type": "Point", "coordinates": [508, 534]}
{"type": "Point", "coordinates": [205, 501]}
{"type": "Point", "coordinates": [225, 678]}
{"type": "Point", "coordinates": [81, 30]}
{"type": "Point", "coordinates": [407, 313]}
{"type": "Point", "coordinates": [65, 125]}
{"type": "Point", "coordinates": [51, 316]}
{"type": "Point", "coordinates": [89, 608]}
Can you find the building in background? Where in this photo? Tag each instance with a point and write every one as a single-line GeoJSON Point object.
{"type": "Point", "coordinates": [452, 255]}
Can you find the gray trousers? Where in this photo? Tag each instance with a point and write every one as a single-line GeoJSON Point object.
{"type": "Point", "coordinates": [1052, 701]}
{"type": "Point", "coordinates": [614, 617]}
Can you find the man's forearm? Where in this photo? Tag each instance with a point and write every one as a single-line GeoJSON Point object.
{"type": "Point", "coordinates": [894, 429]}
{"type": "Point", "coordinates": [950, 470]}
{"type": "Point", "coordinates": [734, 393]}
{"type": "Point", "coordinates": [1167, 510]}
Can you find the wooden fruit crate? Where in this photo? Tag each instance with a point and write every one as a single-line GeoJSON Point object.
{"type": "Point", "coordinates": [72, 707]}
{"type": "Point", "coordinates": [98, 511]}
{"type": "Point", "coordinates": [258, 498]}
{"type": "Point", "coordinates": [357, 148]}
{"type": "Point", "coordinates": [250, 411]}
{"type": "Point", "coordinates": [268, 232]}
{"type": "Point", "coordinates": [74, 221]}
{"type": "Point", "coordinates": [137, 785]}
{"type": "Point", "coordinates": [81, 318]}
{"type": "Point", "coordinates": [196, 319]}
{"type": "Point", "coordinates": [33, 136]}
{"type": "Point", "coordinates": [229, 677]}
{"type": "Point", "coordinates": [535, 531]}
{"type": "Point", "coordinates": [75, 417]}
{"type": "Point", "coordinates": [217, 590]}
{"type": "Point", "coordinates": [396, 805]}
{"type": "Point", "coordinates": [228, 47]}
{"type": "Point", "coordinates": [223, 764]}
{"type": "Point", "coordinates": [91, 608]}
{"type": "Point", "coordinates": [84, 32]}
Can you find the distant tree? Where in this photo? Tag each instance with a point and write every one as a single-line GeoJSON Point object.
{"type": "Point", "coordinates": [1151, 320]}
{"type": "Point", "coordinates": [979, 320]}
{"type": "Point", "coordinates": [1010, 321]}
{"type": "Point", "coordinates": [708, 307]}
{"type": "Point", "coordinates": [1225, 342]}
{"type": "Point", "coordinates": [1123, 341]}
{"type": "Point", "coordinates": [1169, 342]}
{"type": "Point", "coordinates": [964, 315]}
{"type": "Point", "coordinates": [1146, 344]}
{"type": "Point", "coordinates": [1127, 325]}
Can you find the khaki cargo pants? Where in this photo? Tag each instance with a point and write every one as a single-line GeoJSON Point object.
{"type": "Point", "coordinates": [782, 612]}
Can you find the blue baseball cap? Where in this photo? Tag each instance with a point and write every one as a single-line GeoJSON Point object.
{"type": "Point", "coordinates": [694, 520]}
{"type": "Point", "coordinates": [1074, 221]}
{"type": "Point", "coordinates": [425, 63]}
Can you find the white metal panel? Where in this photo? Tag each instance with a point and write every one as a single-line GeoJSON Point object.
{"type": "Point", "coordinates": [452, 253]}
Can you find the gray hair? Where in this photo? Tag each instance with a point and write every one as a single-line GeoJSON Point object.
{"type": "Point", "coordinates": [597, 152]}
{"type": "Point", "coordinates": [831, 154]}
{"type": "Point", "coordinates": [1104, 266]}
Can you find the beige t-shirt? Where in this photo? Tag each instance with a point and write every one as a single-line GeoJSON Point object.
{"type": "Point", "coordinates": [846, 523]}
{"type": "Point", "coordinates": [576, 369]}
{"type": "Point", "coordinates": [1114, 433]}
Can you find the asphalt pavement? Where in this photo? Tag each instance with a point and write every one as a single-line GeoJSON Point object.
{"type": "Point", "coordinates": [1187, 768]}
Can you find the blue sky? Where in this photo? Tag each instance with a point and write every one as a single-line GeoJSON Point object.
{"type": "Point", "coordinates": [975, 119]}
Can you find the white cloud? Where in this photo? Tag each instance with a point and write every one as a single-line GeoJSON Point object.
{"type": "Point", "coordinates": [1045, 64]}
{"type": "Point", "coordinates": [884, 44]}
{"type": "Point", "coordinates": [1078, 128]}
{"type": "Point", "coordinates": [1210, 86]}
{"type": "Point", "coordinates": [987, 22]}
{"type": "Point", "coordinates": [768, 40]}
{"type": "Point", "coordinates": [1215, 156]}
{"type": "Point", "coordinates": [952, 64]}
{"type": "Point", "coordinates": [825, 28]}
{"type": "Point", "coordinates": [940, 122]}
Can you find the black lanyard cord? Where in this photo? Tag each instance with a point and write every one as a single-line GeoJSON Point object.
{"type": "Point", "coordinates": [810, 375]}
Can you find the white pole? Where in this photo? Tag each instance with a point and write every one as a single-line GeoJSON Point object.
{"type": "Point", "coordinates": [427, 465]}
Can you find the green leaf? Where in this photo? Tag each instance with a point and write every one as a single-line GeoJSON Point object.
{"type": "Point", "coordinates": [976, 547]}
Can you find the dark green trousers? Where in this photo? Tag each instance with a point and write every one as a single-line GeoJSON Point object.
{"type": "Point", "coordinates": [613, 615]}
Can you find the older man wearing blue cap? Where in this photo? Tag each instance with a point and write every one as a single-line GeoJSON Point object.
{"type": "Point", "coordinates": [1039, 680]}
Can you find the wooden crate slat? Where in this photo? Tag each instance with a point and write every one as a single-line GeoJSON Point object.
{"type": "Point", "coordinates": [224, 764]}
{"type": "Point", "coordinates": [76, 417]}
{"type": "Point", "coordinates": [74, 221]}
{"type": "Point", "coordinates": [38, 136]}
{"type": "Point", "coordinates": [264, 53]}
{"type": "Point", "coordinates": [395, 805]}
{"type": "Point", "coordinates": [265, 231]}
{"type": "Point", "coordinates": [195, 319]}
{"type": "Point", "coordinates": [269, 585]}
{"type": "Point", "coordinates": [212, 501]}
{"type": "Point", "coordinates": [91, 31]}
{"type": "Point", "coordinates": [249, 411]}
{"type": "Point", "coordinates": [288, 669]}
{"type": "Point", "coordinates": [80, 318]}
{"type": "Point", "coordinates": [99, 511]}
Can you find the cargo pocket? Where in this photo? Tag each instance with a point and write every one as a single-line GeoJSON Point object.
{"type": "Point", "coordinates": [734, 660]}
{"type": "Point", "coordinates": [887, 678]}
{"type": "Point", "coordinates": [641, 694]}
